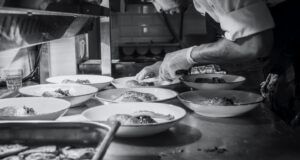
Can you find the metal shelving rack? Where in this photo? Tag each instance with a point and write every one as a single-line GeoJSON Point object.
{"type": "Point", "coordinates": [41, 27]}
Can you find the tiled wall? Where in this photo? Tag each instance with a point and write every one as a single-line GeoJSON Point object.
{"type": "Point", "coordinates": [135, 28]}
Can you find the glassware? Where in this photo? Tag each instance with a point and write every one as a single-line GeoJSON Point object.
{"type": "Point", "coordinates": [13, 78]}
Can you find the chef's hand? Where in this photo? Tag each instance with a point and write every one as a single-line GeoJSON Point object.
{"type": "Point", "coordinates": [173, 62]}
{"type": "Point", "coordinates": [149, 71]}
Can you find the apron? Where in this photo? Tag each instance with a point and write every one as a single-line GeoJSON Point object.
{"type": "Point", "coordinates": [253, 71]}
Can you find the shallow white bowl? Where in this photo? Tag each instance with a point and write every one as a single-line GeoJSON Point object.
{"type": "Point", "coordinates": [102, 113]}
{"type": "Point", "coordinates": [96, 80]}
{"type": "Point", "coordinates": [121, 82]}
{"type": "Point", "coordinates": [46, 108]}
{"type": "Point", "coordinates": [247, 100]}
{"type": "Point", "coordinates": [109, 96]}
{"type": "Point", "coordinates": [80, 93]}
{"type": "Point", "coordinates": [232, 81]}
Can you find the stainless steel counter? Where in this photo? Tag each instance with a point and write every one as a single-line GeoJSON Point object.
{"type": "Point", "coordinates": [256, 135]}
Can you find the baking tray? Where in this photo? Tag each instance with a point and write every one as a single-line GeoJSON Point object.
{"type": "Point", "coordinates": [80, 134]}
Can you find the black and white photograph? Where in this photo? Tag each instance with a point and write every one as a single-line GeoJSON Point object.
{"type": "Point", "coordinates": [149, 80]}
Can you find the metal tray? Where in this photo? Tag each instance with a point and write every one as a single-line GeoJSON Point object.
{"type": "Point", "coordinates": [83, 134]}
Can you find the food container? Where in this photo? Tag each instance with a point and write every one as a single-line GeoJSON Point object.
{"type": "Point", "coordinates": [79, 134]}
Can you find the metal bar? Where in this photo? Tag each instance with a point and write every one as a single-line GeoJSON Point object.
{"type": "Point", "coordinates": [106, 65]}
{"type": "Point", "coordinates": [30, 12]}
{"type": "Point", "coordinates": [75, 26]}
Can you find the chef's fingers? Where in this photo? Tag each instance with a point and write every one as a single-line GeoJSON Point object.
{"type": "Point", "coordinates": [144, 73]}
{"type": "Point", "coordinates": [164, 75]}
{"type": "Point", "coordinates": [172, 75]}
{"type": "Point", "coordinates": [141, 75]}
{"type": "Point", "coordinates": [161, 76]}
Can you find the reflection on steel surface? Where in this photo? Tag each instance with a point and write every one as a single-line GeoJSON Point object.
{"type": "Point", "coordinates": [24, 23]}
{"type": "Point", "coordinates": [80, 134]}
{"type": "Point", "coordinates": [21, 30]}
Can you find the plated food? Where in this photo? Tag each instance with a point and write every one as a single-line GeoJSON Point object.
{"type": "Point", "coordinates": [136, 95]}
{"type": "Point", "coordinates": [217, 101]}
{"type": "Point", "coordinates": [32, 108]}
{"type": "Point", "coordinates": [126, 119]}
{"type": "Point", "coordinates": [207, 69]}
{"type": "Point", "coordinates": [74, 93]}
{"type": "Point", "coordinates": [139, 120]}
{"type": "Point", "coordinates": [97, 81]}
{"type": "Point", "coordinates": [221, 103]}
{"type": "Point", "coordinates": [57, 93]}
{"type": "Point", "coordinates": [52, 140]}
{"type": "Point", "coordinates": [48, 152]}
{"type": "Point", "coordinates": [9, 149]}
{"type": "Point", "coordinates": [17, 111]}
{"type": "Point", "coordinates": [79, 81]}
{"type": "Point", "coordinates": [135, 83]}
{"type": "Point", "coordinates": [130, 82]}
{"type": "Point", "coordinates": [213, 81]}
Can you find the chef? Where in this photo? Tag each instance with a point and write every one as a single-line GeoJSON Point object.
{"type": "Point", "coordinates": [245, 37]}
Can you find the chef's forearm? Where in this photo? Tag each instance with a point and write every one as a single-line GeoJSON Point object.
{"type": "Point", "coordinates": [225, 51]}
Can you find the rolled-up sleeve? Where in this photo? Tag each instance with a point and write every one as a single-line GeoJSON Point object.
{"type": "Point", "coordinates": [246, 21]}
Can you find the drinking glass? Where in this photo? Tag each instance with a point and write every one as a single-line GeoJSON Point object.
{"type": "Point", "coordinates": [13, 78]}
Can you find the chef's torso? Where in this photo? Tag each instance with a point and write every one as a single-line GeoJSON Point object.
{"type": "Point", "coordinates": [237, 19]}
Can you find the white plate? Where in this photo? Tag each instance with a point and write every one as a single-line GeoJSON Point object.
{"type": "Point", "coordinates": [109, 96]}
{"type": "Point", "coordinates": [192, 100]}
{"type": "Point", "coordinates": [102, 113]}
{"type": "Point", "coordinates": [232, 81]}
{"type": "Point", "coordinates": [80, 93]}
{"type": "Point", "coordinates": [46, 108]}
{"type": "Point", "coordinates": [121, 82]}
{"type": "Point", "coordinates": [96, 80]}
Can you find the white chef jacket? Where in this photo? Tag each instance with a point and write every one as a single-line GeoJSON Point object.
{"type": "Point", "coordinates": [238, 18]}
